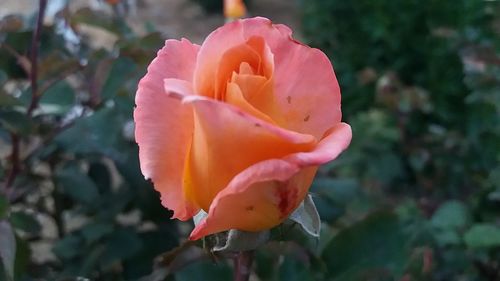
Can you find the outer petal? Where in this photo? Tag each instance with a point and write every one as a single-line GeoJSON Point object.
{"type": "Point", "coordinates": [337, 139]}
{"type": "Point", "coordinates": [259, 198]}
{"type": "Point", "coordinates": [164, 126]}
{"type": "Point", "coordinates": [307, 93]}
{"type": "Point", "coordinates": [266, 193]}
{"type": "Point", "coordinates": [306, 89]}
{"type": "Point", "coordinates": [226, 141]}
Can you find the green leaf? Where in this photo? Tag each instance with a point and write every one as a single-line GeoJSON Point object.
{"type": "Point", "coordinates": [23, 257]}
{"type": "Point", "coordinates": [375, 243]}
{"type": "Point", "coordinates": [447, 237]}
{"type": "Point", "coordinates": [204, 271]}
{"type": "Point", "coordinates": [121, 72]}
{"type": "Point", "coordinates": [100, 174]}
{"type": "Point", "coordinates": [154, 243]}
{"type": "Point", "coordinates": [331, 196]}
{"type": "Point", "coordinates": [4, 206]}
{"type": "Point", "coordinates": [307, 216]}
{"type": "Point", "coordinates": [19, 41]}
{"type": "Point", "coordinates": [25, 222]}
{"type": "Point", "coordinates": [54, 66]}
{"type": "Point", "coordinates": [483, 235]}
{"type": "Point", "coordinates": [16, 122]}
{"type": "Point", "coordinates": [294, 270]}
{"type": "Point", "coordinates": [100, 132]}
{"type": "Point", "coordinates": [95, 231]}
{"type": "Point", "coordinates": [7, 100]}
{"type": "Point", "coordinates": [115, 249]}
{"type": "Point", "coordinates": [58, 99]}
{"type": "Point", "coordinates": [3, 78]}
{"type": "Point", "coordinates": [77, 185]}
{"type": "Point", "coordinates": [7, 248]}
{"type": "Point", "coordinates": [340, 191]}
{"type": "Point", "coordinates": [452, 214]}
{"type": "Point", "coordinates": [68, 247]}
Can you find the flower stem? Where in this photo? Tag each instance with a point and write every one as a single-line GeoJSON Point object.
{"type": "Point", "coordinates": [243, 265]}
{"type": "Point", "coordinates": [35, 43]}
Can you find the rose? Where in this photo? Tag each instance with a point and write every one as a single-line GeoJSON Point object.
{"type": "Point", "coordinates": [234, 9]}
{"type": "Point", "coordinates": [238, 126]}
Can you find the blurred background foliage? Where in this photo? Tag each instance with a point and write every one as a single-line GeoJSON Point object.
{"type": "Point", "coordinates": [415, 197]}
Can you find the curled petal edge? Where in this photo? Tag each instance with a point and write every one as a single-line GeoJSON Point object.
{"type": "Point", "coordinates": [336, 140]}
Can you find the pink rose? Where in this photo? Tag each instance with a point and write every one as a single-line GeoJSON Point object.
{"type": "Point", "coordinates": [238, 126]}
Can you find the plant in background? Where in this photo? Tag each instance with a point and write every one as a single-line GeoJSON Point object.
{"type": "Point", "coordinates": [71, 190]}
{"type": "Point", "coordinates": [422, 104]}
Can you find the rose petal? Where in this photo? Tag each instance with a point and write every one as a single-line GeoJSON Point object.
{"type": "Point", "coordinates": [231, 61]}
{"type": "Point", "coordinates": [177, 88]}
{"type": "Point", "coordinates": [250, 201]}
{"type": "Point", "coordinates": [234, 96]}
{"type": "Point", "coordinates": [307, 95]}
{"type": "Point", "coordinates": [259, 198]}
{"type": "Point", "coordinates": [226, 141]}
{"type": "Point", "coordinates": [249, 84]}
{"type": "Point", "coordinates": [214, 46]}
{"type": "Point", "coordinates": [337, 139]}
{"type": "Point", "coordinates": [164, 126]}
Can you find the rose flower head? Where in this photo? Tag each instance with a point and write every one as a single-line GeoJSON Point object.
{"type": "Point", "coordinates": [238, 126]}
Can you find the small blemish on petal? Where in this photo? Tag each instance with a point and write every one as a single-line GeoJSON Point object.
{"type": "Point", "coordinates": [249, 208]}
{"type": "Point", "coordinates": [289, 99]}
{"type": "Point", "coordinates": [287, 196]}
{"type": "Point", "coordinates": [307, 118]}
{"type": "Point", "coordinates": [258, 125]}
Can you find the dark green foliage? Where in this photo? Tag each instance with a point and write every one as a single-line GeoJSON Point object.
{"type": "Point", "coordinates": [415, 197]}
{"type": "Point", "coordinates": [421, 84]}
{"type": "Point", "coordinates": [100, 218]}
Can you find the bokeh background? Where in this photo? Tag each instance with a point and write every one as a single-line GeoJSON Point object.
{"type": "Point", "coordinates": [415, 197]}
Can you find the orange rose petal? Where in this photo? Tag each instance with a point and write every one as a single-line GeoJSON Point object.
{"type": "Point", "coordinates": [306, 91]}
{"type": "Point", "coordinates": [262, 98]}
{"type": "Point", "coordinates": [226, 37]}
{"type": "Point", "coordinates": [263, 195]}
{"type": "Point", "coordinates": [227, 141]}
{"type": "Point", "coordinates": [259, 198]}
{"type": "Point", "coordinates": [307, 94]}
{"type": "Point", "coordinates": [214, 46]}
{"type": "Point", "coordinates": [336, 140]}
{"type": "Point", "coordinates": [164, 125]}
{"type": "Point", "coordinates": [246, 69]}
{"type": "Point", "coordinates": [251, 201]}
{"type": "Point", "coordinates": [258, 44]}
{"type": "Point", "coordinates": [230, 62]}
{"type": "Point", "coordinates": [250, 85]}
{"type": "Point", "coordinates": [235, 97]}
